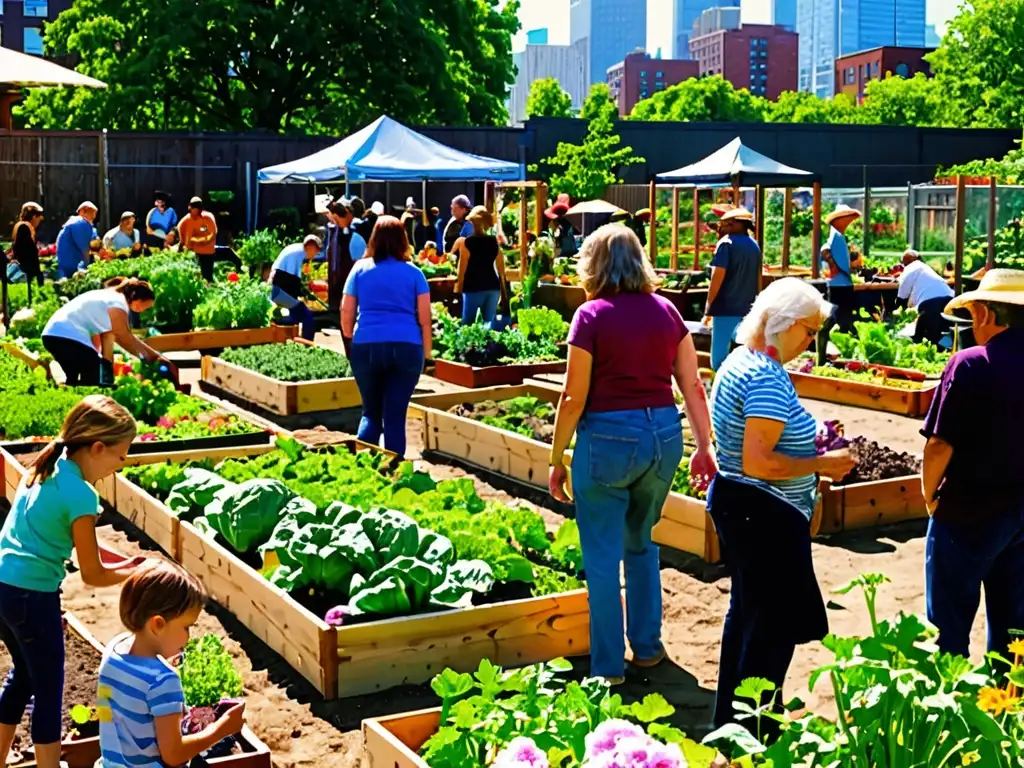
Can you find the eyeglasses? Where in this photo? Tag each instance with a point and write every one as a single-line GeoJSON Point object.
{"type": "Point", "coordinates": [811, 332]}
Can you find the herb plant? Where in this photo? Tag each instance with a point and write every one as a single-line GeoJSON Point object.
{"type": "Point", "coordinates": [244, 303]}
{"type": "Point", "coordinates": [208, 674]}
{"type": "Point", "coordinates": [290, 362]}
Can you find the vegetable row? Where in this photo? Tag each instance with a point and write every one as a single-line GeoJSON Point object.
{"type": "Point", "coordinates": [538, 336]}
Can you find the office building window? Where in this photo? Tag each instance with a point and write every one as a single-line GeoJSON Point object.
{"type": "Point", "coordinates": [659, 75]}
{"type": "Point", "coordinates": [876, 68]}
{"type": "Point", "coordinates": [36, 9]}
{"type": "Point", "coordinates": [902, 70]}
{"type": "Point", "coordinates": [32, 41]}
{"type": "Point", "coordinates": [753, 43]}
{"type": "Point", "coordinates": [643, 73]}
{"type": "Point", "coordinates": [764, 42]}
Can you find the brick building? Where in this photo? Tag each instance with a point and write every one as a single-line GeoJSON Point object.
{"type": "Point", "coordinates": [639, 76]}
{"type": "Point", "coordinates": [855, 70]}
{"type": "Point", "coordinates": [21, 22]}
{"type": "Point", "coordinates": [759, 57]}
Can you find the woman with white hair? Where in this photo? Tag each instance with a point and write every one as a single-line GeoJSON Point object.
{"type": "Point", "coordinates": [763, 496]}
{"type": "Point", "coordinates": [625, 346]}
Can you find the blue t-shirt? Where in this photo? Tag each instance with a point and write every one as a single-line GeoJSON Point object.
{"type": "Point", "coordinates": [386, 293]}
{"type": "Point", "coordinates": [740, 257]}
{"type": "Point", "coordinates": [291, 259]}
{"type": "Point", "coordinates": [750, 385]}
{"type": "Point", "coordinates": [35, 541]}
{"type": "Point", "coordinates": [133, 691]}
{"type": "Point", "coordinates": [73, 242]}
{"type": "Point", "coordinates": [162, 221]}
{"type": "Point", "coordinates": [841, 256]}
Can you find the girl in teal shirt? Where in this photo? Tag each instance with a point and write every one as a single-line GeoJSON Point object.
{"type": "Point", "coordinates": [54, 511]}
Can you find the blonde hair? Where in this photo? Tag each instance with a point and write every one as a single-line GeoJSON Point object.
{"type": "Point", "coordinates": [778, 307]}
{"type": "Point", "coordinates": [481, 219]}
{"type": "Point", "coordinates": [612, 261]}
{"type": "Point", "coordinates": [96, 419]}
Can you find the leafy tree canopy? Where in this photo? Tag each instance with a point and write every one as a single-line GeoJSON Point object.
{"type": "Point", "coordinates": [804, 107]}
{"type": "Point", "coordinates": [704, 99]}
{"type": "Point", "coordinates": [279, 65]}
{"type": "Point", "coordinates": [547, 99]}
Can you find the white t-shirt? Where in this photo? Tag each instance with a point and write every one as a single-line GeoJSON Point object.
{"type": "Point", "coordinates": [85, 316]}
{"type": "Point", "coordinates": [919, 283]}
{"type": "Point", "coordinates": [290, 260]}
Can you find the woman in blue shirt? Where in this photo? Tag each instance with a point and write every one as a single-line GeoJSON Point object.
{"type": "Point", "coordinates": [763, 496]}
{"type": "Point", "coordinates": [53, 512]}
{"type": "Point", "coordinates": [161, 222]}
{"type": "Point", "coordinates": [386, 313]}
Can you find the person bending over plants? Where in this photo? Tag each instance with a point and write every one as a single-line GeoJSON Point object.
{"type": "Point", "coordinates": [54, 511]}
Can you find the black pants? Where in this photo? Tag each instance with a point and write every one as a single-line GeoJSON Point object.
{"type": "Point", "coordinates": [775, 602]}
{"type": "Point", "coordinates": [845, 301]}
{"type": "Point", "coordinates": [931, 325]}
{"type": "Point", "coordinates": [206, 266]}
{"type": "Point", "coordinates": [82, 365]}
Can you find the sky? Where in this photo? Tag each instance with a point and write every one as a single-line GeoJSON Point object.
{"type": "Point", "coordinates": [554, 14]}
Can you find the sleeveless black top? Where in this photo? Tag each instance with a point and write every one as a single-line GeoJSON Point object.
{"type": "Point", "coordinates": [481, 274]}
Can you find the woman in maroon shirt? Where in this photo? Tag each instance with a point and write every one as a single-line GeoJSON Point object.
{"type": "Point", "coordinates": [625, 346]}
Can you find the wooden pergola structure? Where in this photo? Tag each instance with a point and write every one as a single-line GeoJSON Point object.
{"type": "Point", "coordinates": [540, 197]}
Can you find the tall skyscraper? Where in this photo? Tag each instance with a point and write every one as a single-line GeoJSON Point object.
{"type": "Point", "coordinates": [604, 31]}
{"type": "Point", "coordinates": [832, 28]}
{"type": "Point", "coordinates": [784, 14]}
{"type": "Point", "coordinates": [687, 12]}
{"type": "Point", "coordinates": [537, 62]}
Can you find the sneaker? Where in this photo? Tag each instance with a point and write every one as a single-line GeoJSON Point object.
{"type": "Point", "coordinates": [614, 681]}
{"type": "Point", "coordinates": [651, 662]}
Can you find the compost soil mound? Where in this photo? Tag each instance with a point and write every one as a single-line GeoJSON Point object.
{"type": "Point", "coordinates": [81, 673]}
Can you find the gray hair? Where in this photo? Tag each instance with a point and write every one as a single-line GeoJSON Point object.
{"type": "Point", "coordinates": [462, 201]}
{"type": "Point", "coordinates": [778, 307]}
{"type": "Point", "coordinates": [612, 260]}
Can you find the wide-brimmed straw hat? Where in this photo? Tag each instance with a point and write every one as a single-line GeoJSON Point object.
{"type": "Point", "coordinates": [644, 215]}
{"type": "Point", "coordinates": [1002, 286]}
{"type": "Point", "coordinates": [738, 214]}
{"type": "Point", "coordinates": [841, 212]}
{"type": "Point", "coordinates": [559, 208]}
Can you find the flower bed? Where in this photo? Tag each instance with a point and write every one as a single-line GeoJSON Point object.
{"type": "Point", "coordinates": [501, 587]}
{"type": "Point", "coordinates": [286, 379]}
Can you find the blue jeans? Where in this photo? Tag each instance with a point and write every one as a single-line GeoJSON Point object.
{"type": "Point", "coordinates": [960, 558]}
{"type": "Point", "coordinates": [622, 469]}
{"type": "Point", "coordinates": [484, 301]}
{"type": "Point", "coordinates": [32, 628]}
{"type": "Point", "coordinates": [66, 270]}
{"type": "Point", "coordinates": [723, 331]}
{"type": "Point", "coordinates": [298, 312]}
{"type": "Point", "coordinates": [386, 373]}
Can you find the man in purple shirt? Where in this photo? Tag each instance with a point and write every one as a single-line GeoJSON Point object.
{"type": "Point", "coordinates": [973, 473]}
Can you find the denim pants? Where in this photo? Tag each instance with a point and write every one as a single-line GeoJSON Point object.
{"type": "Point", "coordinates": [723, 331]}
{"type": "Point", "coordinates": [386, 373]}
{"type": "Point", "coordinates": [622, 469]}
{"type": "Point", "coordinates": [484, 301]}
{"type": "Point", "coordinates": [32, 628]}
{"type": "Point", "coordinates": [65, 269]}
{"type": "Point", "coordinates": [959, 558]}
{"type": "Point", "coordinates": [298, 312]}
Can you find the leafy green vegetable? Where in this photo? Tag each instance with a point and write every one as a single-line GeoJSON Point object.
{"type": "Point", "coordinates": [241, 304]}
{"type": "Point", "coordinates": [246, 515]}
{"type": "Point", "coordinates": [542, 323]}
{"type": "Point", "coordinates": [290, 362]}
{"type": "Point", "coordinates": [260, 248]}
{"type": "Point", "coordinates": [208, 673]}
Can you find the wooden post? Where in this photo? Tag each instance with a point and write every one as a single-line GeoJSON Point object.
{"type": "Point", "coordinates": [990, 256]}
{"type": "Point", "coordinates": [696, 228]}
{"type": "Point", "coordinates": [524, 246]}
{"type": "Point", "coordinates": [652, 233]}
{"type": "Point", "coordinates": [541, 197]}
{"type": "Point", "coordinates": [759, 194]}
{"type": "Point", "coordinates": [103, 224]}
{"type": "Point", "coordinates": [736, 191]}
{"type": "Point", "coordinates": [488, 196]}
{"type": "Point", "coordinates": [961, 222]}
{"type": "Point", "coordinates": [911, 215]}
{"type": "Point", "coordinates": [867, 214]}
{"type": "Point", "coordinates": [787, 221]}
{"type": "Point", "coordinates": [674, 260]}
{"type": "Point", "coordinates": [816, 232]}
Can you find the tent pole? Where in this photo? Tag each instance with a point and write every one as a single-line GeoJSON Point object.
{"type": "Point", "coordinates": [524, 249]}
{"type": "Point", "coordinates": [540, 197]}
{"type": "Point", "coordinates": [816, 232]}
{"type": "Point", "coordinates": [674, 260]}
{"type": "Point", "coordinates": [961, 222]}
{"type": "Point", "coordinates": [759, 231]}
{"type": "Point", "coordinates": [990, 256]}
{"type": "Point", "coordinates": [652, 235]}
{"type": "Point", "coordinates": [867, 215]}
{"type": "Point", "coordinates": [787, 222]}
{"type": "Point", "coordinates": [736, 191]}
{"type": "Point", "coordinates": [696, 229]}
{"type": "Point", "coordinates": [348, 194]}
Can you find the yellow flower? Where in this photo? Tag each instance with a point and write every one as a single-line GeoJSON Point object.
{"type": "Point", "coordinates": [1017, 647]}
{"type": "Point", "coordinates": [970, 757]}
{"type": "Point", "coordinates": [996, 700]}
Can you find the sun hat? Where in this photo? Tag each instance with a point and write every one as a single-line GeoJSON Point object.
{"type": "Point", "coordinates": [740, 214]}
{"type": "Point", "coordinates": [644, 215]}
{"type": "Point", "coordinates": [842, 211]}
{"type": "Point", "coordinates": [313, 240]}
{"type": "Point", "coordinates": [1002, 286]}
{"type": "Point", "coordinates": [559, 208]}
{"type": "Point", "coordinates": [195, 202]}
{"type": "Point", "coordinates": [620, 216]}
{"type": "Point", "coordinates": [87, 204]}
{"type": "Point", "coordinates": [377, 209]}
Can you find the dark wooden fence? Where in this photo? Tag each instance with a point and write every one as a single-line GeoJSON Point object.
{"type": "Point", "coordinates": [120, 171]}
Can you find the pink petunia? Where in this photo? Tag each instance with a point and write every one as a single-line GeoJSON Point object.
{"type": "Point", "coordinates": [336, 616]}
{"type": "Point", "coordinates": [608, 734]}
{"type": "Point", "coordinates": [521, 753]}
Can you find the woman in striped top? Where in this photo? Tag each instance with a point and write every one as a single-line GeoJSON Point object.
{"type": "Point", "coordinates": [764, 494]}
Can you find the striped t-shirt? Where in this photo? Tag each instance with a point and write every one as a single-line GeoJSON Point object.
{"type": "Point", "coordinates": [750, 385]}
{"type": "Point", "coordinates": [133, 690]}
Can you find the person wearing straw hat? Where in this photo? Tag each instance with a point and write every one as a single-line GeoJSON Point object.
{"type": "Point", "coordinates": [76, 240]}
{"type": "Point", "coordinates": [733, 285]}
{"type": "Point", "coordinates": [563, 233]}
{"type": "Point", "coordinates": [123, 237]}
{"type": "Point", "coordinates": [973, 473]}
{"type": "Point", "coordinates": [835, 257]}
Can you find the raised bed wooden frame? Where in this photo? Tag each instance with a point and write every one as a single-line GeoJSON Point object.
{"type": "Point", "coordinates": [197, 341]}
{"type": "Point", "coordinates": [471, 377]}
{"type": "Point", "coordinates": [284, 398]}
{"type": "Point", "coordinates": [905, 402]}
{"type": "Point", "coordinates": [395, 741]}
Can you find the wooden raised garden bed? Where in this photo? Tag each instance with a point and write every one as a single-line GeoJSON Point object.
{"type": "Point", "coordinates": [285, 398]}
{"type": "Point", "coordinates": [363, 658]}
{"type": "Point", "coordinates": [493, 375]}
{"type": "Point", "coordinates": [194, 341]}
{"type": "Point", "coordinates": [877, 397]}
{"type": "Point", "coordinates": [395, 741]}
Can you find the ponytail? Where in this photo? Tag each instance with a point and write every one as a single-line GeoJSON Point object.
{"type": "Point", "coordinates": [96, 419]}
{"type": "Point", "coordinates": [131, 288]}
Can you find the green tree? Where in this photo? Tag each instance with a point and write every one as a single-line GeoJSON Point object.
{"type": "Point", "coordinates": [547, 99]}
{"type": "Point", "coordinates": [978, 66]}
{"type": "Point", "coordinates": [588, 168]}
{"type": "Point", "coordinates": [804, 107]}
{"type": "Point", "coordinates": [899, 101]}
{"type": "Point", "coordinates": [281, 66]}
{"type": "Point", "coordinates": [704, 99]}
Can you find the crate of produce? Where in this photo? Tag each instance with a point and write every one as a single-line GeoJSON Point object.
{"type": "Point", "coordinates": [197, 341]}
{"type": "Point", "coordinates": [505, 621]}
{"type": "Point", "coordinates": [285, 379]}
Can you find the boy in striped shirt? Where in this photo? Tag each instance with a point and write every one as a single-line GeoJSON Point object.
{"type": "Point", "coordinates": [140, 701]}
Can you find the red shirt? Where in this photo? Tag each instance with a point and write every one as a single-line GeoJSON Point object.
{"type": "Point", "coordinates": [633, 338]}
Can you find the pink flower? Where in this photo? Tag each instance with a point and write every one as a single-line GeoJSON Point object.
{"type": "Point", "coordinates": [165, 422]}
{"type": "Point", "coordinates": [148, 437]}
{"type": "Point", "coordinates": [608, 734]}
{"type": "Point", "coordinates": [336, 616]}
{"type": "Point", "coordinates": [637, 752]}
{"type": "Point", "coordinates": [521, 753]}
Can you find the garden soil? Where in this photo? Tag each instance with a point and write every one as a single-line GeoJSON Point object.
{"type": "Point", "coordinates": [304, 731]}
